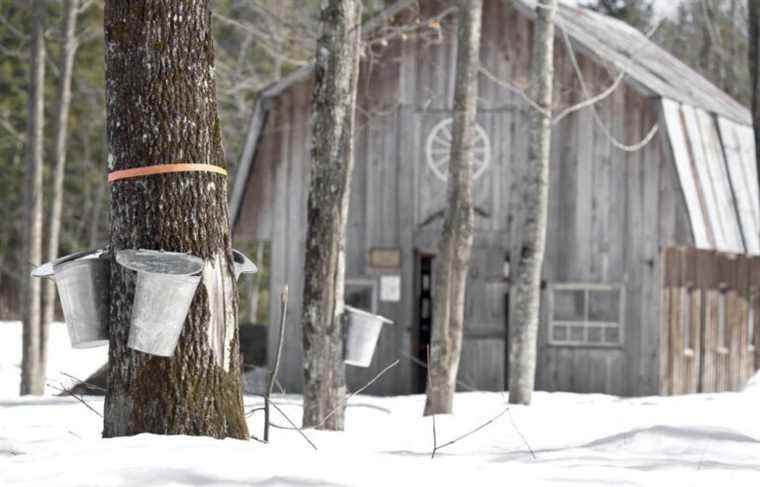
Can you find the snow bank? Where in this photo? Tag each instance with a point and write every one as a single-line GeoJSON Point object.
{"type": "Point", "coordinates": [61, 359]}
{"type": "Point", "coordinates": [562, 439]}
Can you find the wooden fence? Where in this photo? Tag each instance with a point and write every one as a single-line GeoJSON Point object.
{"type": "Point", "coordinates": [710, 325]}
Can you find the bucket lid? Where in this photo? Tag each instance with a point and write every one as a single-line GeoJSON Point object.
{"type": "Point", "coordinates": [48, 268]}
{"type": "Point", "coordinates": [160, 262]}
{"type": "Point", "coordinates": [358, 311]}
{"type": "Point", "coordinates": [243, 265]}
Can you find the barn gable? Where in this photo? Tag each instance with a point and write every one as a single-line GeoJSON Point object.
{"type": "Point", "coordinates": [710, 133]}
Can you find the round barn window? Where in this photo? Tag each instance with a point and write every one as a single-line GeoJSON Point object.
{"type": "Point", "coordinates": [438, 150]}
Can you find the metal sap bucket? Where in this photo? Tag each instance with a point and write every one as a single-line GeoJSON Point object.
{"type": "Point", "coordinates": [82, 280]}
{"type": "Point", "coordinates": [362, 331]}
{"type": "Point", "coordinates": [166, 284]}
{"type": "Point", "coordinates": [242, 264]}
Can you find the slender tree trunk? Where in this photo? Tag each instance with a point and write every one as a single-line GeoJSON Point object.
{"type": "Point", "coordinates": [528, 255]}
{"type": "Point", "coordinates": [333, 107]}
{"type": "Point", "coordinates": [253, 298]}
{"type": "Point", "coordinates": [97, 208]}
{"type": "Point", "coordinates": [754, 71]}
{"type": "Point", "coordinates": [161, 108]}
{"type": "Point", "coordinates": [455, 247]}
{"type": "Point", "coordinates": [735, 61]}
{"type": "Point", "coordinates": [68, 51]}
{"type": "Point", "coordinates": [32, 375]}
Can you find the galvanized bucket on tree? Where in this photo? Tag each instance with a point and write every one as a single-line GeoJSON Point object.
{"type": "Point", "coordinates": [242, 264]}
{"type": "Point", "coordinates": [82, 281]}
{"type": "Point", "coordinates": [362, 331]}
{"type": "Point", "coordinates": [166, 284]}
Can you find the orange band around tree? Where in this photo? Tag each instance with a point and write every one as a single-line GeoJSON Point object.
{"type": "Point", "coordinates": [164, 169]}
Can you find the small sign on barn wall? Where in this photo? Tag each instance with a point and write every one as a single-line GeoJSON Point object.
{"type": "Point", "coordinates": [385, 257]}
{"type": "Point", "coordinates": [390, 288]}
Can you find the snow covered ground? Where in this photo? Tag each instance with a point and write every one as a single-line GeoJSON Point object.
{"type": "Point", "coordinates": [710, 440]}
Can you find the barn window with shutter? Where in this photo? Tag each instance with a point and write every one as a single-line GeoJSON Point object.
{"type": "Point", "coordinates": [586, 315]}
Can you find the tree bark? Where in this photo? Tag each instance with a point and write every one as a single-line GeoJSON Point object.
{"type": "Point", "coordinates": [161, 108]}
{"type": "Point", "coordinates": [333, 107]}
{"type": "Point", "coordinates": [528, 255]}
{"type": "Point", "coordinates": [455, 246]}
{"type": "Point", "coordinates": [754, 71]}
{"type": "Point", "coordinates": [32, 375]}
{"type": "Point", "coordinates": [68, 51]}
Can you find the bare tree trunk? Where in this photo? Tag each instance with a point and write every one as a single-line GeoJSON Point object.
{"type": "Point", "coordinates": [97, 208]}
{"type": "Point", "coordinates": [754, 71]}
{"type": "Point", "coordinates": [333, 107]}
{"type": "Point", "coordinates": [68, 51]}
{"type": "Point", "coordinates": [32, 375]}
{"type": "Point", "coordinates": [253, 298]}
{"type": "Point", "coordinates": [528, 255]}
{"type": "Point", "coordinates": [455, 247]}
{"type": "Point", "coordinates": [734, 59]}
{"type": "Point", "coordinates": [161, 108]}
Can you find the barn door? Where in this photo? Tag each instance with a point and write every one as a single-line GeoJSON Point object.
{"type": "Point", "coordinates": [424, 316]}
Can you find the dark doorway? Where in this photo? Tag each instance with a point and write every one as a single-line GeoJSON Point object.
{"type": "Point", "coordinates": [424, 316]}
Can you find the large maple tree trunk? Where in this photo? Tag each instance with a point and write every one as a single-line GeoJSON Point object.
{"type": "Point", "coordinates": [527, 256]}
{"type": "Point", "coordinates": [161, 108]}
{"type": "Point", "coordinates": [68, 50]}
{"type": "Point", "coordinates": [32, 373]}
{"type": "Point", "coordinates": [455, 247]}
{"type": "Point", "coordinates": [335, 78]}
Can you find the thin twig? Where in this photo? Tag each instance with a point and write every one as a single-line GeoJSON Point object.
{"type": "Point", "coordinates": [275, 368]}
{"type": "Point", "coordinates": [324, 420]}
{"type": "Point", "coordinates": [255, 410]}
{"type": "Point", "coordinates": [517, 430]}
{"type": "Point", "coordinates": [66, 391]}
{"type": "Point", "coordinates": [88, 385]}
{"type": "Point", "coordinates": [300, 431]}
{"type": "Point", "coordinates": [524, 440]}
{"type": "Point", "coordinates": [473, 431]}
{"type": "Point", "coordinates": [422, 364]}
{"type": "Point", "coordinates": [253, 437]}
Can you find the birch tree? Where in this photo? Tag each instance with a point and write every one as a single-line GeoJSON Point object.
{"type": "Point", "coordinates": [161, 108]}
{"type": "Point", "coordinates": [66, 66]}
{"type": "Point", "coordinates": [528, 254]}
{"type": "Point", "coordinates": [32, 374]}
{"type": "Point", "coordinates": [455, 245]}
{"type": "Point", "coordinates": [333, 108]}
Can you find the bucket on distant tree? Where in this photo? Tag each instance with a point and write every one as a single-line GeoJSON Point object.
{"type": "Point", "coordinates": [242, 264]}
{"type": "Point", "coordinates": [166, 284]}
{"type": "Point", "coordinates": [362, 332]}
{"type": "Point", "coordinates": [82, 280]}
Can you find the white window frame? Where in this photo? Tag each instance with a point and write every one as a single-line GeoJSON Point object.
{"type": "Point", "coordinates": [585, 287]}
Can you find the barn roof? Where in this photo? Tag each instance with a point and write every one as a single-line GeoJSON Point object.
{"type": "Point", "coordinates": [647, 66]}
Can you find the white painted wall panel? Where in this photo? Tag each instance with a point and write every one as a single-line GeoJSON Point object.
{"type": "Point", "coordinates": [719, 180]}
{"type": "Point", "coordinates": [686, 175]}
{"type": "Point", "coordinates": [739, 146]}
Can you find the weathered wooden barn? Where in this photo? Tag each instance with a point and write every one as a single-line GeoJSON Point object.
{"type": "Point", "coordinates": [613, 320]}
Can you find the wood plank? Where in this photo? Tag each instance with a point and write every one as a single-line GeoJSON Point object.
{"type": "Point", "coordinates": [719, 177]}
{"type": "Point", "coordinates": [743, 184]}
{"type": "Point", "coordinates": [688, 179]}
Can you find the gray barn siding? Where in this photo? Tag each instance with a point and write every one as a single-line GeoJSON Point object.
{"type": "Point", "coordinates": [609, 210]}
